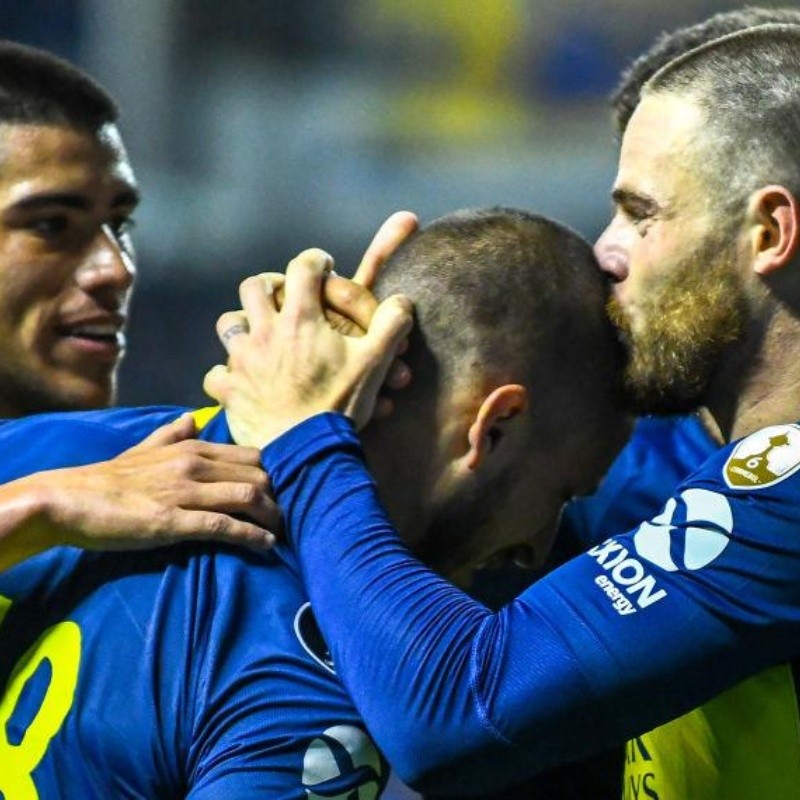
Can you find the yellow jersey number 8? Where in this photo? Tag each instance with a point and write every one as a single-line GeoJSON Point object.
{"type": "Point", "coordinates": [61, 646]}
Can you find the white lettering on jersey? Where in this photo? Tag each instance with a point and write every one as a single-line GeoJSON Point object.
{"type": "Point", "coordinates": [706, 524]}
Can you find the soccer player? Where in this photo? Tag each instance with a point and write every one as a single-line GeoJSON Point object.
{"type": "Point", "coordinates": [701, 601]}
{"type": "Point", "coordinates": [67, 193]}
{"type": "Point", "coordinates": [662, 451]}
{"type": "Point", "coordinates": [198, 671]}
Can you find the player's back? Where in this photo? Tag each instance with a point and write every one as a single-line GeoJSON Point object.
{"type": "Point", "coordinates": [195, 670]}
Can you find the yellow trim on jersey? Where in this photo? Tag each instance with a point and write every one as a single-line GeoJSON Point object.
{"type": "Point", "coordinates": [742, 745]}
{"type": "Point", "coordinates": [202, 416]}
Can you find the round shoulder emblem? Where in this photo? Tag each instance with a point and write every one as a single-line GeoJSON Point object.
{"type": "Point", "coordinates": [764, 458]}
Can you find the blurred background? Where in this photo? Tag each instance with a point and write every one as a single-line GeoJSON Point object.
{"type": "Point", "coordinates": [261, 127]}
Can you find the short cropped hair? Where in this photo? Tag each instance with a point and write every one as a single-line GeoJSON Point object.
{"type": "Point", "coordinates": [747, 85]}
{"type": "Point", "coordinates": [669, 46]}
{"type": "Point", "coordinates": [505, 292]}
{"type": "Point", "coordinates": [36, 87]}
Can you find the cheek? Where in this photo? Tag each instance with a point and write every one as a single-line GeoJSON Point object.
{"type": "Point", "coordinates": [26, 299]}
{"type": "Point", "coordinates": [649, 261]}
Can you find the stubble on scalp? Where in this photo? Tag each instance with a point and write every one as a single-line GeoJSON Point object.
{"type": "Point", "coordinates": [688, 320]}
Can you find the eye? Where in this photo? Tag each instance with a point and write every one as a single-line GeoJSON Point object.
{"type": "Point", "coordinates": [639, 218]}
{"type": "Point", "coordinates": [121, 227]}
{"type": "Point", "coordinates": [49, 227]}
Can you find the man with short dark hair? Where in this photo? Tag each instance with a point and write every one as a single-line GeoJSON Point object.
{"type": "Point", "coordinates": [234, 692]}
{"type": "Point", "coordinates": [67, 193]}
{"type": "Point", "coordinates": [699, 602]}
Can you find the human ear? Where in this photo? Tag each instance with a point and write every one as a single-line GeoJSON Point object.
{"type": "Point", "coordinates": [775, 234]}
{"type": "Point", "coordinates": [502, 405]}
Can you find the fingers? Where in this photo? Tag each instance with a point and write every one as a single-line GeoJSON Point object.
{"type": "Point", "coordinates": [215, 382]}
{"type": "Point", "coordinates": [222, 465]}
{"type": "Point", "coordinates": [233, 497]}
{"type": "Point", "coordinates": [304, 276]}
{"type": "Point", "coordinates": [391, 323]}
{"type": "Point", "coordinates": [192, 457]}
{"type": "Point", "coordinates": [211, 525]}
{"type": "Point", "coordinates": [230, 325]}
{"type": "Point", "coordinates": [394, 231]}
{"type": "Point", "coordinates": [176, 431]}
{"type": "Point", "coordinates": [349, 302]}
{"type": "Point", "coordinates": [258, 305]}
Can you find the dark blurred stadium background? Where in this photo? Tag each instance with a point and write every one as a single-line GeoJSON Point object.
{"type": "Point", "coordinates": [262, 127]}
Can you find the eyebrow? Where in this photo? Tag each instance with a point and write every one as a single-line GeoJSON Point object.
{"type": "Point", "coordinates": [127, 197]}
{"type": "Point", "coordinates": [629, 199]}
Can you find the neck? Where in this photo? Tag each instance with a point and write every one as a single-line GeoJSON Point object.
{"type": "Point", "coordinates": [760, 384]}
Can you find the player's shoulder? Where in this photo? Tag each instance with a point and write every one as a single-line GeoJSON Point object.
{"type": "Point", "coordinates": [48, 441]}
{"type": "Point", "coordinates": [767, 462]}
{"type": "Point", "coordinates": [681, 439]}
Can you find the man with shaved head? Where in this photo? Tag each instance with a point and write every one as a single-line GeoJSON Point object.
{"type": "Point", "coordinates": [699, 602]}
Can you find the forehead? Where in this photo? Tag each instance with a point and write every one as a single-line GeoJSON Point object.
{"type": "Point", "coordinates": [660, 144]}
{"type": "Point", "coordinates": [35, 157]}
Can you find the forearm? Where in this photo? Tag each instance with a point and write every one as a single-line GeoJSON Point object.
{"type": "Point", "coordinates": [460, 698]}
{"type": "Point", "coordinates": [428, 668]}
{"type": "Point", "coordinates": [24, 529]}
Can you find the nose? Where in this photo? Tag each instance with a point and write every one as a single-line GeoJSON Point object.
{"type": "Point", "coordinates": [108, 268]}
{"type": "Point", "coordinates": [611, 255]}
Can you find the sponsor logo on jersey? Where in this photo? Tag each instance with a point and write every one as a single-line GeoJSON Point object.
{"type": "Point", "coordinates": [310, 637]}
{"type": "Point", "coordinates": [691, 532]}
{"type": "Point", "coordinates": [767, 457]}
{"type": "Point", "coordinates": [342, 763]}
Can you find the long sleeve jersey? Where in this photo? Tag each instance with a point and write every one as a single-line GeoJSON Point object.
{"type": "Point", "coordinates": [641, 629]}
{"type": "Point", "coordinates": [191, 671]}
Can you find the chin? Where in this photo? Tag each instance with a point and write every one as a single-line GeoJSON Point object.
{"type": "Point", "coordinates": [84, 397]}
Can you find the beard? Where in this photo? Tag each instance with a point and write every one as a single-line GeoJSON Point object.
{"type": "Point", "coordinates": [683, 326]}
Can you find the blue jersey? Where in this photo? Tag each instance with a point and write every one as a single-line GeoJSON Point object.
{"type": "Point", "coordinates": [661, 453]}
{"type": "Point", "coordinates": [702, 599]}
{"type": "Point", "coordinates": [192, 671]}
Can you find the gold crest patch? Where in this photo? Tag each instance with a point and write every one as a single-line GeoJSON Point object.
{"type": "Point", "coordinates": [764, 458]}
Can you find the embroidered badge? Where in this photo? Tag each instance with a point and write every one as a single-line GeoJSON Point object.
{"type": "Point", "coordinates": [765, 458]}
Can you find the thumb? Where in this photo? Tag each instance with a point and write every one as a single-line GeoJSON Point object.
{"type": "Point", "coordinates": [215, 381]}
{"type": "Point", "coordinates": [176, 431]}
{"type": "Point", "coordinates": [390, 325]}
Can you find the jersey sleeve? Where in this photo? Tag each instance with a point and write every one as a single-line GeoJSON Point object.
{"type": "Point", "coordinates": [643, 627]}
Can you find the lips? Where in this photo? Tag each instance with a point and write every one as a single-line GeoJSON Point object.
{"type": "Point", "coordinates": [99, 336]}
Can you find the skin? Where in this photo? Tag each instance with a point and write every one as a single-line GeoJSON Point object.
{"type": "Point", "coordinates": [66, 263]}
{"type": "Point", "coordinates": [679, 297]}
{"type": "Point", "coordinates": [439, 457]}
{"type": "Point", "coordinates": [751, 380]}
{"type": "Point", "coordinates": [65, 214]}
{"type": "Point", "coordinates": [66, 274]}
{"type": "Point", "coordinates": [166, 488]}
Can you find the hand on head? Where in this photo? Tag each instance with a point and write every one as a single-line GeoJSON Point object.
{"type": "Point", "coordinates": [291, 364]}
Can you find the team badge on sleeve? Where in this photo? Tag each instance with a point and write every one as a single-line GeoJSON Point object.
{"type": "Point", "coordinates": [765, 458]}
